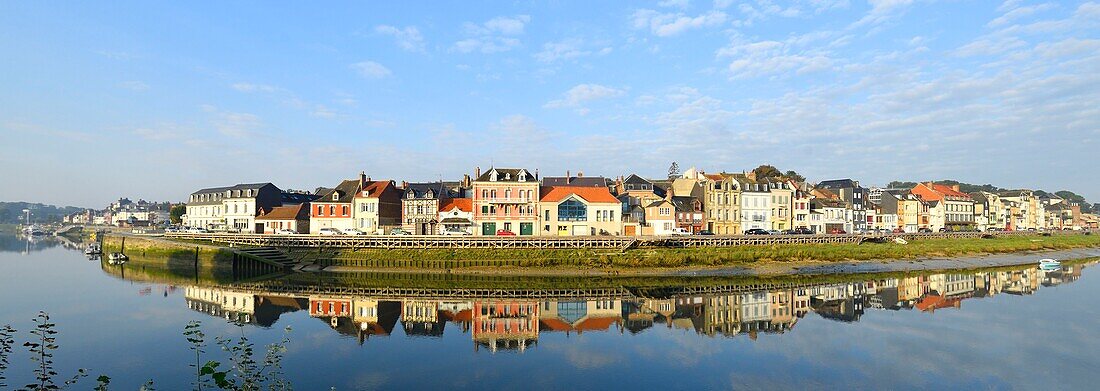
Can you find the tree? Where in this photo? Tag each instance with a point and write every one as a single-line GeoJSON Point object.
{"type": "Point", "coordinates": [794, 176]}
{"type": "Point", "coordinates": [673, 170]}
{"type": "Point", "coordinates": [767, 171]}
{"type": "Point", "coordinates": [176, 213]}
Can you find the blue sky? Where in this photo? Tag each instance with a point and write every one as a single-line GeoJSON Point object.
{"type": "Point", "coordinates": [155, 100]}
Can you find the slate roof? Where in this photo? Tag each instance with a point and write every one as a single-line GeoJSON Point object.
{"type": "Point", "coordinates": [506, 175]}
{"type": "Point", "coordinates": [346, 191]}
{"type": "Point", "coordinates": [595, 181]}
{"type": "Point", "coordinates": [838, 184]}
{"type": "Point", "coordinates": [438, 189]}
{"type": "Point", "coordinates": [683, 204]}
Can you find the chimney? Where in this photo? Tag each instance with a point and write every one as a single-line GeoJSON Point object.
{"type": "Point", "coordinates": [955, 187]}
{"type": "Point", "coordinates": [567, 176]}
{"type": "Point", "coordinates": [404, 184]}
{"type": "Point", "coordinates": [580, 174]}
{"type": "Point", "coordinates": [536, 174]}
{"type": "Point", "coordinates": [477, 172]}
{"type": "Point", "coordinates": [363, 177]}
{"type": "Point", "coordinates": [465, 180]}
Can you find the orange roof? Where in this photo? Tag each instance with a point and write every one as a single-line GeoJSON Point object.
{"type": "Point", "coordinates": [591, 324]}
{"type": "Point", "coordinates": [554, 324]}
{"type": "Point", "coordinates": [590, 194]}
{"type": "Point", "coordinates": [463, 204]}
{"type": "Point", "coordinates": [949, 191]}
{"type": "Point", "coordinates": [374, 189]}
{"type": "Point", "coordinates": [713, 177]}
{"type": "Point", "coordinates": [283, 213]}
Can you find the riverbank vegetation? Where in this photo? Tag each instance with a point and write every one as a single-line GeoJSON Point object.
{"type": "Point", "coordinates": [687, 257]}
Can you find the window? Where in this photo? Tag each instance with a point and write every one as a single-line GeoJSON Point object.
{"type": "Point", "coordinates": [344, 209]}
{"type": "Point", "coordinates": [547, 218]}
{"type": "Point", "coordinates": [485, 209]}
{"type": "Point", "coordinates": [572, 210]}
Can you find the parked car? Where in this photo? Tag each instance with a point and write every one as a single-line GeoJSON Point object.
{"type": "Point", "coordinates": [329, 232]}
{"type": "Point", "coordinates": [502, 232]}
{"type": "Point", "coordinates": [285, 231]}
{"type": "Point", "coordinates": [757, 231]}
{"type": "Point", "coordinates": [774, 232]}
{"type": "Point", "coordinates": [838, 232]}
{"type": "Point", "coordinates": [454, 233]}
{"type": "Point", "coordinates": [704, 233]}
{"type": "Point", "coordinates": [680, 232]}
{"type": "Point", "coordinates": [399, 231]}
{"type": "Point", "coordinates": [802, 231]}
{"type": "Point", "coordinates": [925, 230]}
{"type": "Point", "coordinates": [353, 232]}
{"type": "Point", "coordinates": [197, 230]}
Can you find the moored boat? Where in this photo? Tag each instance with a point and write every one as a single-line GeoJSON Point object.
{"type": "Point", "coordinates": [117, 258]}
{"type": "Point", "coordinates": [93, 249]}
{"type": "Point", "coordinates": [1049, 264]}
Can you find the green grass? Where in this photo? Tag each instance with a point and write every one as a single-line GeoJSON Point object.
{"type": "Point", "coordinates": [690, 257]}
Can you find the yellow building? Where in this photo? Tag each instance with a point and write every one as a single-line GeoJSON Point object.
{"type": "Point", "coordinates": [721, 201]}
{"type": "Point", "coordinates": [579, 211]}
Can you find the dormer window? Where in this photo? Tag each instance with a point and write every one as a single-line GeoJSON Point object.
{"type": "Point", "coordinates": [507, 176]}
{"type": "Point", "coordinates": [523, 177]}
{"type": "Point", "coordinates": [335, 195]}
{"type": "Point", "coordinates": [429, 194]}
{"type": "Point", "coordinates": [493, 176]}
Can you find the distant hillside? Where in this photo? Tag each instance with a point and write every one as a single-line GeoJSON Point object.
{"type": "Point", "coordinates": [1086, 206]}
{"type": "Point", "coordinates": [12, 212]}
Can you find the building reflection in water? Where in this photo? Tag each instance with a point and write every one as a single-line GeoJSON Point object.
{"type": "Point", "coordinates": [513, 324]}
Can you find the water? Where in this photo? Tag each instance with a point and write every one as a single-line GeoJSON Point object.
{"type": "Point", "coordinates": [1007, 329]}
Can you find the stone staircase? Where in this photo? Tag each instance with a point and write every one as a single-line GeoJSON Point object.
{"type": "Point", "coordinates": [270, 255]}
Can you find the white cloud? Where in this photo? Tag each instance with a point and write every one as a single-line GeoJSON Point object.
{"type": "Point", "coordinates": [1017, 13]}
{"type": "Point", "coordinates": [563, 50]}
{"type": "Point", "coordinates": [134, 85]}
{"type": "Point", "coordinates": [580, 94]}
{"type": "Point", "coordinates": [493, 36]}
{"type": "Point", "coordinates": [233, 124]}
{"type": "Point", "coordinates": [371, 70]}
{"type": "Point", "coordinates": [250, 87]}
{"type": "Point", "coordinates": [669, 24]}
{"type": "Point", "coordinates": [674, 3]}
{"type": "Point", "coordinates": [767, 58]}
{"type": "Point", "coordinates": [882, 11]}
{"type": "Point", "coordinates": [408, 38]}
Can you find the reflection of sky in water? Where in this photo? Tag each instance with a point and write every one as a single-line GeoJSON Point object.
{"type": "Point", "coordinates": [131, 332]}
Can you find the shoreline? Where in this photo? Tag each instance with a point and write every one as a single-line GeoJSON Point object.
{"type": "Point", "coordinates": [770, 268]}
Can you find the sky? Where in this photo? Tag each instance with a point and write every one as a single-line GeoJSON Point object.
{"type": "Point", "coordinates": [155, 100]}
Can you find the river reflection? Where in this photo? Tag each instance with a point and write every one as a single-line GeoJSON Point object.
{"type": "Point", "coordinates": [512, 319]}
{"type": "Point", "coordinates": [1014, 327]}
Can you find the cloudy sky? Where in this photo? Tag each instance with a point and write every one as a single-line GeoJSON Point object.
{"type": "Point", "coordinates": [153, 101]}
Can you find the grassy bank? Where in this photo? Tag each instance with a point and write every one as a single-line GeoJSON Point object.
{"type": "Point", "coordinates": [168, 252]}
{"type": "Point", "coordinates": [690, 257]}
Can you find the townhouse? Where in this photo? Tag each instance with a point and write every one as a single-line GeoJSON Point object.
{"type": "Point", "coordinates": [505, 200]}
{"type": "Point", "coordinates": [232, 208]}
{"type": "Point", "coordinates": [989, 211]}
{"type": "Point", "coordinates": [376, 207]}
{"type": "Point", "coordinates": [953, 206]}
{"type": "Point", "coordinates": [721, 201]}
{"type": "Point", "coordinates": [334, 207]}
{"type": "Point", "coordinates": [855, 196]}
{"type": "Point", "coordinates": [420, 205]}
{"type": "Point", "coordinates": [579, 211]}
{"type": "Point", "coordinates": [1022, 210]}
{"type": "Point", "coordinates": [755, 203]}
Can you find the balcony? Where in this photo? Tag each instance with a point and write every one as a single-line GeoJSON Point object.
{"type": "Point", "coordinates": [507, 200]}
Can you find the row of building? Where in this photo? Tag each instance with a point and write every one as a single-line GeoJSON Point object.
{"type": "Point", "coordinates": [124, 213]}
{"type": "Point", "coordinates": [515, 324]}
{"type": "Point", "coordinates": [516, 201]}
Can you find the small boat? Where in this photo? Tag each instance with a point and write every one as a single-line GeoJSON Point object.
{"type": "Point", "coordinates": [117, 258]}
{"type": "Point", "coordinates": [93, 249]}
{"type": "Point", "coordinates": [1049, 265]}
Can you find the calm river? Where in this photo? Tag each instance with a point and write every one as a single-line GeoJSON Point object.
{"type": "Point", "coordinates": [1009, 328]}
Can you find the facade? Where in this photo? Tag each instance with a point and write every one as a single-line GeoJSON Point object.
{"type": "Point", "coordinates": [781, 203]}
{"type": "Point", "coordinates": [333, 208]}
{"type": "Point", "coordinates": [506, 199]}
{"type": "Point", "coordinates": [1022, 210]}
{"type": "Point", "coordinates": [878, 220]}
{"type": "Point", "coordinates": [292, 217]}
{"type": "Point", "coordinates": [850, 192]}
{"type": "Point", "coordinates": [456, 215]}
{"type": "Point", "coordinates": [755, 203]}
{"type": "Point", "coordinates": [689, 213]}
{"type": "Point", "coordinates": [376, 208]}
{"type": "Point", "coordinates": [721, 201]}
{"type": "Point", "coordinates": [420, 206]}
{"type": "Point", "coordinates": [800, 205]}
{"type": "Point", "coordinates": [989, 211]}
{"type": "Point", "coordinates": [232, 208]}
{"type": "Point", "coordinates": [957, 207]}
{"type": "Point", "coordinates": [579, 211]}
{"type": "Point", "coordinates": [834, 216]}
{"type": "Point", "coordinates": [912, 213]}
{"type": "Point", "coordinates": [660, 218]}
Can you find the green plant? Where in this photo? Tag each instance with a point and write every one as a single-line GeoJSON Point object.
{"type": "Point", "coordinates": [7, 340]}
{"type": "Point", "coordinates": [41, 350]}
{"type": "Point", "coordinates": [245, 372]}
